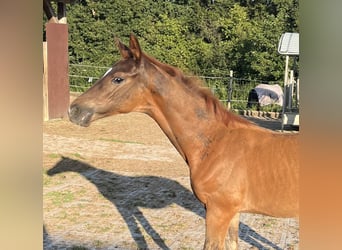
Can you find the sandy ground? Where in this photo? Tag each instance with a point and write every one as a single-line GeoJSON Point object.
{"type": "Point", "coordinates": [120, 184]}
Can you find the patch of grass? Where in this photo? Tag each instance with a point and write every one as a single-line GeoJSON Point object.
{"type": "Point", "coordinates": [78, 156]}
{"type": "Point", "coordinates": [269, 223]}
{"type": "Point", "coordinates": [46, 179]}
{"type": "Point", "coordinates": [121, 141]}
{"type": "Point", "coordinates": [98, 244]}
{"type": "Point", "coordinates": [105, 229]}
{"type": "Point", "coordinates": [54, 156]}
{"type": "Point", "coordinates": [59, 198]}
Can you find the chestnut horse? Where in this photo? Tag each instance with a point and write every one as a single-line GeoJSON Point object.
{"type": "Point", "coordinates": [235, 166]}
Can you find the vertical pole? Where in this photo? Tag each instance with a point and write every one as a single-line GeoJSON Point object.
{"type": "Point", "coordinates": [291, 87]}
{"type": "Point", "coordinates": [230, 89]}
{"type": "Point", "coordinates": [297, 93]}
{"type": "Point", "coordinates": [285, 86]}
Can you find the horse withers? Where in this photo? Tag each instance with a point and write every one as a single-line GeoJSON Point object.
{"type": "Point", "coordinates": [235, 166]}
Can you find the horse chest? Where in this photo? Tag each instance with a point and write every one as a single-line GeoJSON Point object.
{"type": "Point", "coordinates": [215, 179]}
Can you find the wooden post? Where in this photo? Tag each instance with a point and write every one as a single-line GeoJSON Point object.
{"type": "Point", "coordinates": [58, 65]}
{"type": "Point", "coordinates": [45, 84]}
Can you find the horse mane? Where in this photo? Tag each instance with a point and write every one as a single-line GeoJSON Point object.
{"type": "Point", "coordinates": [213, 104]}
{"type": "Point", "coordinates": [196, 86]}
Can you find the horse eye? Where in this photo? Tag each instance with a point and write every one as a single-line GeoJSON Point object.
{"type": "Point", "coordinates": [117, 80]}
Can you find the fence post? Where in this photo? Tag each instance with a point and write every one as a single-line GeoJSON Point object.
{"type": "Point", "coordinates": [58, 68]}
{"type": "Point", "coordinates": [230, 89]}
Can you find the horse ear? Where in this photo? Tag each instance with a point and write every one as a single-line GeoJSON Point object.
{"type": "Point", "coordinates": [124, 50]}
{"type": "Point", "coordinates": [135, 47]}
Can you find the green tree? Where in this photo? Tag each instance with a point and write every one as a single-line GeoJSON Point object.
{"type": "Point", "coordinates": [202, 37]}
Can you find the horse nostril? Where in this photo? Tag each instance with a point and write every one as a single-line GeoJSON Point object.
{"type": "Point", "coordinates": [74, 110]}
{"type": "Point", "coordinates": [80, 115]}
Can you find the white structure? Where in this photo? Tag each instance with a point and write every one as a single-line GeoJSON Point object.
{"type": "Point", "coordinates": [289, 46]}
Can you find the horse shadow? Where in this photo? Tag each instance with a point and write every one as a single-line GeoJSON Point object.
{"type": "Point", "coordinates": [128, 193]}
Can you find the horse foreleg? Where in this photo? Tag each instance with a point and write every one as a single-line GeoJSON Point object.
{"type": "Point", "coordinates": [217, 223]}
{"type": "Point", "coordinates": [233, 233]}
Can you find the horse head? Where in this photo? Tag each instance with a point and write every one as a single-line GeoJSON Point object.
{"type": "Point", "coordinates": [120, 90]}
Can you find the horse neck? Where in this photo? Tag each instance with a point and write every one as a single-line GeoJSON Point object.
{"type": "Point", "coordinates": [184, 118]}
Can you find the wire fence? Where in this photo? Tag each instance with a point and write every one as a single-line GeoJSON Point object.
{"type": "Point", "coordinates": [225, 87]}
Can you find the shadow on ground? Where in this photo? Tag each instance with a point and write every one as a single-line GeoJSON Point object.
{"type": "Point", "coordinates": [129, 193]}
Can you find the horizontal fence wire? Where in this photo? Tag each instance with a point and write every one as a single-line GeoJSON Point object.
{"type": "Point", "coordinates": [87, 66]}
{"type": "Point", "coordinates": [81, 77]}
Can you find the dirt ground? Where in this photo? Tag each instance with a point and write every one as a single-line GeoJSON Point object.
{"type": "Point", "coordinates": [120, 184]}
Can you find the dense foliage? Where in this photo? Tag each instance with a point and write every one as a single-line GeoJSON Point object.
{"type": "Point", "coordinates": [204, 37]}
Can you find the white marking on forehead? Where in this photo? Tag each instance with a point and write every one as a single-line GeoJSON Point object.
{"type": "Point", "coordinates": [107, 72]}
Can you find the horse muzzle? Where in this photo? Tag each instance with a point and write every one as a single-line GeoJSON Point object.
{"type": "Point", "coordinates": [80, 115]}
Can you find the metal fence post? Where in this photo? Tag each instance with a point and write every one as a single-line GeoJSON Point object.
{"type": "Point", "coordinates": [230, 89]}
{"type": "Point", "coordinates": [286, 76]}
